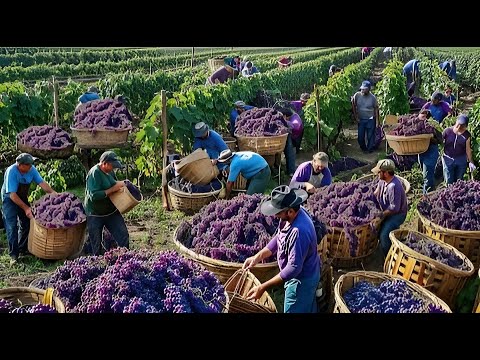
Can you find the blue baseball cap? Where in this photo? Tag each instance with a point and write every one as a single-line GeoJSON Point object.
{"type": "Point", "coordinates": [462, 119]}
{"type": "Point", "coordinates": [366, 85]}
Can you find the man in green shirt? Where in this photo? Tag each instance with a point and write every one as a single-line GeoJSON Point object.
{"type": "Point", "coordinates": [101, 183]}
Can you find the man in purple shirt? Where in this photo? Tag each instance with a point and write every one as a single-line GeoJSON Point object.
{"type": "Point", "coordinates": [392, 199]}
{"type": "Point", "coordinates": [298, 105]}
{"type": "Point", "coordinates": [312, 174]}
{"type": "Point", "coordinates": [221, 75]}
{"type": "Point", "coordinates": [295, 244]}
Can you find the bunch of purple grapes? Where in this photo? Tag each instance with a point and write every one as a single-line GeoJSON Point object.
{"type": "Point", "coordinates": [258, 122]}
{"type": "Point", "coordinates": [186, 186]}
{"type": "Point", "coordinates": [7, 306]}
{"type": "Point", "coordinates": [60, 210]}
{"type": "Point", "coordinates": [129, 281]}
{"type": "Point", "coordinates": [135, 191]}
{"type": "Point", "coordinates": [230, 230]}
{"type": "Point", "coordinates": [410, 125]}
{"type": "Point", "coordinates": [45, 137]}
{"type": "Point", "coordinates": [106, 114]}
{"type": "Point", "coordinates": [345, 164]}
{"type": "Point", "coordinates": [345, 205]}
{"type": "Point", "coordinates": [456, 207]}
{"type": "Point", "coordinates": [434, 250]}
{"type": "Point", "coordinates": [390, 296]}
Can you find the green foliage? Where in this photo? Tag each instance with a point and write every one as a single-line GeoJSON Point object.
{"type": "Point", "coordinates": [474, 129]}
{"type": "Point", "coordinates": [391, 91]}
{"type": "Point", "coordinates": [72, 171]}
{"type": "Point", "coordinates": [51, 175]}
{"type": "Point", "coordinates": [432, 78]}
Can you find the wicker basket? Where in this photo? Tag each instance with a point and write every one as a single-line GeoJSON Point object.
{"type": "Point", "coordinates": [348, 280]}
{"type": "Point", "coordinates": [55, 244]}
{"type": "Point", "coordinates": [467, 242]}
{"type": "Point", "coordinates": [64, 153]}
{"type": "Point", "coordinates": [409, 145]}
{"type": "Point", "coordinates": [325, 301]}
{"type": "Point", "coordinates": [338, 246]}
{"type": "Point", "coordinates": [197, 168]}
{"type": "Point", "coordinates": [231, 142]}
{"type": "Point", "coordinates": [123, 200]}
{"type": "Point", "coordinates": [32, 296]}
{"type": "Point", "coordinates": [441, 279]}
{"type": "Point", "coordinates": [190, 203]}
{"type": "Point", "coordinates": [476, 307]}
{"type": "Point", "coordinates": [100, 138]}
{"type": "Point", "coordinates": [370, 177]}
{"type": "Point", "coordinates": [263, 145]}
{"type": "Point", "coordinates": [215, 63]}
{"type": "Point", "coordinates": [240, 184]}
{"type": "Point", "coordinates": [224, 270]}
{"type": "Point", "coordinates": [238, 286]}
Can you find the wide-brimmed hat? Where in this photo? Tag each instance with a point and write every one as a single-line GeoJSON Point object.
{"type": "Point", "coordinates": [200, 129]}
{"type": "Point", "coordinates": [283, 198]}
{"type": "Point", "coordinates": [384, 165]}
{"type": "Point", "coordinates": [225, 155]}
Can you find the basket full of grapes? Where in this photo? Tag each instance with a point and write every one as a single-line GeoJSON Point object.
{"type": "Point", "coordinates": [411, 136]}
{"type": "Point", "coordinates": [29, 300]}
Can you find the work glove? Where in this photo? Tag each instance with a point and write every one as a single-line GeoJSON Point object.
{"type": "Point", "coordinates": [471, 166]}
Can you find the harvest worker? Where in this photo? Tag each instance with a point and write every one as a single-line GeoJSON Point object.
{"type": "Point", "coordinates": [457, 151]}
{"type": "Point", "coordinates": [101, 183]}
{"type": "Point", "coordinates": [294, 138]}
{"type": "Point", "coordinates": [210, 141]}
{"type": "Point", "coordinates": [91, 94]}
{"type": "Point", "coordinates": [333, 70]}
{"type": "Point", "coordinates": [412, 72]}
{"type": "Point", "coordinates": [448, 97]}
{"type": "Point", "coordinates": [312, 174]}
{"type": "Point", "coordinates": [221, 75]}
{"type": "Point", "coordinates": [249, 70]}
{"type": "Point", "coordinates": [250, 165]}
{"type": "Point", "coordinates": [239, 108]}
{"type": "Point", "coordinates": [295, 243]}
{"type": "Point", "coordinates": [450, 68]}
{"type": "Point", "coordinates": [299, 104]}
{"type": "Point", "coordinates": [366, 113]}
{"type": "Point", "coordinates": [392, 199]}
{"type": "Point", "coordinates": [16, 208]}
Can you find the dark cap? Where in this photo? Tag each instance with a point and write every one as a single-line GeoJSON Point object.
{"type": "Point", "coordinates": [92, 89]}
{"type": "Point", "coordinates": [462, 119]}
{"type": "Point", "coordinates": [384, 165]}
{"type": "Point", "coordinates": [25, 158]}
{"type": "Point", "coordinates": [111, 157]}
{"type": "Point", "coordinates": [283, 198]}
{"type": "Point", "coordinates": [366, 85]}
{"type": "Point", "coordinates": [437, 95]}
{"type": "Point", "coordinates": [200, 129]}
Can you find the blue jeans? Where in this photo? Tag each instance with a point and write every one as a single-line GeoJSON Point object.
{"type": "Point", "coordinates": [289, 155]}
{"type": "Point", "coordinates": [390, 223]}
{"type": "Point", "coordinates": [428, 160]}
{"type": "Point", "coordinates": [366, 127]}
{"type": "Point", "coordinates": [454, 170]}
{"type": "Point", "coordinates": [259, 182]}
{"type": "Point", "coordinates": [114, 223]}
{"type": "Point", "coordinates": [300, 295]}
{"type": "Point", "coordinates": [17, 226]}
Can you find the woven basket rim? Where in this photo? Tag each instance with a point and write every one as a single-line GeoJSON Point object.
{"type": "Point", "coordinates": [402, 179]}
{"type": "Point", "coordinates": [100, 129]}
{"type": "Point", "coordinates": [193, 195]}
{"type": "Point", "coordinates": [375, 221]}
{"type": "Point", "coordinates": [60, 228]}
{"type": "Point", "coordinates": [423, 258]}
{"type": "Point", "coordinates": [408, 138]}
{"type": "Point", "coordinates": [58, 303]}
{"type": "Point", "coordinates": [215, 262]}
{"type": "Point", "coordinates": [417, 289]}
{"type": "Point", "coordinates": [259, 137]}
{"type": "Point", "coordinates": [447, 230]}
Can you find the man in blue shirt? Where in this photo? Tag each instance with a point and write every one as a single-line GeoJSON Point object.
{"type": "Point", "coordinates": [240, 107]}
{"type": "Point", "coordinates": [209, 140]}
{"type": "Point", "coordinates": [91, 94]}
{"type": "Point", "coordinates": [450, 68]}
{"type": "Point", "coordinates": [16, 207]}
{"type": "Point", "coordinates": [412, 72]}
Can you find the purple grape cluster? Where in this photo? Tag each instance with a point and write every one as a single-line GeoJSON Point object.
{"type": "Point", "coordinates": [456, 207]}
{"type": "Point", "coordinates": [434, 250]}
{"type": "Point", "coordinates": [106, 114]}
{"type": "Point", "coordinates": [229, 230]}
{"type": "Point", "coordinates": [410, 125]}
{"type": "Point", "coordinates": [135, 191]}
{"type": "Point", "coordinates": [60, 210]}
{"type": "Point", "coordinates": [45, 137]}
{"type": "Point", "coordinates": [186, 186]}
{"type": "Point", "coordinates": [129, 281]}
{"type": "Point", "coordinates": [258, 122]}
{"type": "Point", "coordinates": [390, 296]}
{"type": "Point", "coordinates": [345, 164]}
{"type": "Point", "coordinates": [345, 205]}
{"type": "Point", "coordinates": [7, 306]}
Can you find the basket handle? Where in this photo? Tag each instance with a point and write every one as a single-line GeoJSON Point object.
{"type": "Point", "coordinates": [48, 297]}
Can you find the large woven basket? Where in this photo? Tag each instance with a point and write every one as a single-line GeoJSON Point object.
{"type": "Point", "coordinates": [215, 63]}
{"type": "Point", "coordinates": [231, 142]}
{"type": "Point", "coordinates": [348, 280]}
{"type": "Point", "coordinates": [477, 299]}
{"type": "Point", "coordinates": [409, 145]}
{"type": "Point", "coordinates": [263, 145]}
{"type": "Point", "coordinates": [32, 296]}
{"type": "Point", "coordinates": [238, 286]}
{"type": "Point", "coordinates": [370, 177]}
{"type": "Point", "coordinates": [338, 245]}
{"type": "Point", "coordinates": [123, 200]}
{"type": "Point", "coordinates": [325, 301]}
{"type": "Point", "coordinates": [240, 184]}
{"type": "Point", "coordinates": [224, 270]}
{"type": "Point", "coordinates": [64, 153]}
{"type": "Point", "coordinates": [467, 242]}
{"type": "Point", "coordinates": [100, 138]}
{"type": "Point", "coordinates": [197, 168]}
{"type": "Point", "coordinates": [441, 279]}
{"type": "Point", "coordinates": [191, 203]}
{"type": "Point", "coordinates": [55, 244]}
